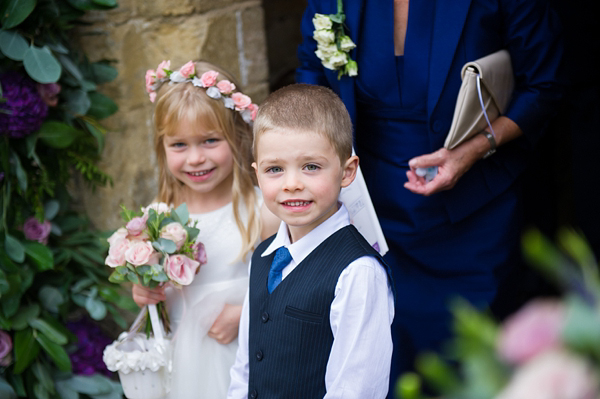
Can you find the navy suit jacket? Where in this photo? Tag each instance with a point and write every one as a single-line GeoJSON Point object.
{"type": "Point", "coordinates": [465, 30]}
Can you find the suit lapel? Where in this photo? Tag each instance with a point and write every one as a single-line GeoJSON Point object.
{"type": "Point", "coordinates": [450, 17]}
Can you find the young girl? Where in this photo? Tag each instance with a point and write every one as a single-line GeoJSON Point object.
{"type": "Point", "coordinates": [203, 142]}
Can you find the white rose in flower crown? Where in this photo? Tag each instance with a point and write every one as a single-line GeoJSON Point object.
{"type": "Point", "coordinates": [338, 59]}
{"type": "Point", "coordinates": [116, 252]}
{"type": "Point", "coordinates": [324, 36]}
{"type": "Point", "coordinates": [346, 44]}
{"type": "Point", "coordinates": [181, 269]}
{"type": "Point", "coordinates": [174, 232]}
{"type": "Point", "coordinates": [141, 253]}
{"type": "Point", "coordinates": [321, 21]}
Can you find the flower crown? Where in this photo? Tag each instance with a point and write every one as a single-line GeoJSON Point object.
{"type": "Point", "coordinates": [221, 90]}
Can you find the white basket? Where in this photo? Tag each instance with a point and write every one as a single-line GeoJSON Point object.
{"type": "Point", "coordinates": [145, 384]}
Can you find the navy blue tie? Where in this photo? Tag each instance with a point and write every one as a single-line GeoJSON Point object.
{"type": "Point", "coordinates": [282, 259]}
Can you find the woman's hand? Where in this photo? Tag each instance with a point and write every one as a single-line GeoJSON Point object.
{"type": "Point", "coordinates": [225, 328]}
{"type": "Point", "coordinates": [146, 296]}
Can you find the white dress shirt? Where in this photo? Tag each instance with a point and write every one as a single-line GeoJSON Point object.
{"type": "Point", "coordinates": [361, 314]}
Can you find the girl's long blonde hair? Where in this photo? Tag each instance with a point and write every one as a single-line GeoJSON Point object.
{"type": "Point", "coordinates": [181, 101]}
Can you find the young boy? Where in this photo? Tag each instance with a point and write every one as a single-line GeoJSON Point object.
{"type": "Point", "coordinates": [324, 331]}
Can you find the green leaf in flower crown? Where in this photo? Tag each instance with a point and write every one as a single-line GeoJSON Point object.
{"type": "Point", "coordinates": [101, 105]}
{"type": "Point", "coordinates": [13, 45]}
{"type": "Point", "coordinates": [13, 12]}
{"type": "Point", "coordinates": [41, 66]}
{"type": "Point", "coordinates": [45, 328]}
{"type": "Point", "coordinates": [40, 254]}
{"type": "Point", "coordinates": [56, 352]}
{"type": "Point", "coordinates": [14, 249]}
{"type": "Point", "coordinates": [57, 134]}
{"type": "Point", "coordinates": [21, 319]}
{"type": "Point", "coordinates": [164, 245]}
{"type": "Point", "coordinates": [26, 349]}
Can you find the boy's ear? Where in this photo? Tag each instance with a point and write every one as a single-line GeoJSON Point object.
{"type": "Point", "coordinates": [350, 169]}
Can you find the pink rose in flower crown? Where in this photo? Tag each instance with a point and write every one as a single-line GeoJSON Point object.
{"type": "Point", "coordinates": [36, 231]}
{"type": "Point", "coordinates": [199, 253]}
{"type": "Point", "coordinates": [209, 78]}
{"type": "Point", "coordinates": [533, 329]}
{"type": "Point", "coordinates": [188, 69]}
{"type": "Point", "coordinates": [141, 253]}
{"type": "Point", "coordinates": [225, 86]}
{"type": "Point", "coordinates": [5, 349]}
{"type": "Point", "coordinates": [241, 101]}
{"type": "Point", "coordinates": [116, 252]}
{"type": "Point", "coordinates": [555, 374]}
{"type": "Point", "coordinates": [253, 108]}
{"type": "Point", "coordinates": [160, 70]}
{"type": "Point", "coordinates": [181, 269]}
{"type": "Point", "coordinates": [136, 226]}
{"type": "Point", "coordinates": [150, 80]}
{"type": "Point", "coordinates": [174, 232]}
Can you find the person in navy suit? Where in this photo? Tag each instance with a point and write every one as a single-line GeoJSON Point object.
{"type": "Point", "coordinates": [458, 234]}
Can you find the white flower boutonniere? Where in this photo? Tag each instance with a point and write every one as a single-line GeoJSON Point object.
{"type": "Point", "coordinates": [333, 45]}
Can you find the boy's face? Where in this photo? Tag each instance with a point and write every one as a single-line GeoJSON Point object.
{"type": "Point", "coordinates": [300, 176]}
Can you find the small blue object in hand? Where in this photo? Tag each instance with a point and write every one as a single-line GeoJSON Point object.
{"type": "Point", "coordinates": [428, 173]}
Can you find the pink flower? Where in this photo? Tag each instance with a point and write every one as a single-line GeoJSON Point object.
{"type": "Point", "coordinates": [241, 101]}
{"type": "Point", "coordinates": [199, 253]}
{"type": "Point", "coordinates": [136, 226]}
{"type": "Point", "coordinates": [141, 253]}
{"type": "Point", "coordinates": [159, 207]}
{"type": "Point", "coordinates": [160, 70]}
{"type": "Point", "coordinates": [116, 252]}
{"type": "Point", "coordinates": [5, 349]}
{"type": "Point", "coordinates": [49, 93]}
{"type": "Point", "coordinates": [209, 78]}
{"type": "Point", "coordinates": [152, 97]}
{"type": "Point", "coordinates": [119, 233]}
{"type": "Point", "coordinates": [174, 232]}
{"type": "Point", "coordinates": [555, 374]}
{"type": "Point", "coordinates": [253, 108]}
{"type": "Point", "coordinates": [150, 80]}
{"type": "Point", "coordinates": [188, 69]}
{"type": "Point", "coordinates": [36, 231]}
{"type": "Point", "coordinates": [533, 329]}
{"type": "Point", "coordinates": [181, 269]}
{"type": "Point", "coordinates": [225, 86]}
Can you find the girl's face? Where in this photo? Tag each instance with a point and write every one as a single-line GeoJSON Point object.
{"type": "Point", "coordinates": [202, 160]}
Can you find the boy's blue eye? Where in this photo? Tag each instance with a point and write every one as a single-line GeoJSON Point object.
{"type": "Point", "coordinates": [274, 169]}
{"type": "Point", "coordinates": [312, 167]}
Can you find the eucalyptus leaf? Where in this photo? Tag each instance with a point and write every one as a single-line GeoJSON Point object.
{"type": "Point", "coordinates": [6, 390]}
{"type": "Point", "coordinates": [81, 284]}
{"type": "Point", "coordinates": [14, 249]}
{"type": "Point", "coordinates": [133, 278]}
{"type": "Point", "coordinates": [21, 319]}
{"type": "Point", "coordinates": [41, 65]}
{"type": "Point", "coordinates": [58, 134]}
{"type": "Point", "coordinates": [182, 213]}
{"type": "Point", "coordinates": [90, 385]}
{"type": "Point", "coordinates": [15, 11]}
{"type": "Point", "coordinates": [103, 73]}
{"type": "Point", "coordinates": [40, 391]}
{"type": "Point", "coordinates": [65, 391]}
{"type": "Point", "coordinates": [51, 208]}
{"type": "Point", "coordinates": [19, 171]}
{"type": "Point", "coordinates": [77, 101]}
{"type": "Point", "coordinates": [164, 245]}
{"type": "Point", "coordinates": [40, 254]}
{"type": "Point", "coordinates": [26, 349]}
{"type": "Point", "coordinates": [51, 298]}
{"type": "Point", "coordinates": [95, 308]}
{"type": "Point", "coordinates": [71, 67]}
{"type": "Point", "coordinates": [56, 352]}
{"type": "Point", "coordinates": [13, 45]}
{"type": "Point", "coordinates": [160, 277]}
{"type": "Point", "coordinates": [101, 105]}
{"type": "Point", "coordinates": [42, 374]}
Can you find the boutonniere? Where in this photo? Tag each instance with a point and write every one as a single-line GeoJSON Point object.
{"type": "Point", "coordinates": [333, 45]}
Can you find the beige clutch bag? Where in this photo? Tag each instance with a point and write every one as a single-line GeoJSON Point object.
{"type": "Point", "coordinates": [486, 89]}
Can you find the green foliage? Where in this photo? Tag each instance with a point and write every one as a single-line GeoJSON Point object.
{"type": "Point", "coordinates": [45, 281]}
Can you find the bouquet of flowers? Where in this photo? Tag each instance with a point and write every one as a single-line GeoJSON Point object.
{"type": "Point", "coordinates": [549, 349]}
{"type": "Point", "coordinates": [156, 246]}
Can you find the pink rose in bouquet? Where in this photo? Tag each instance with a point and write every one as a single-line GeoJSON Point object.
{"type": "Point", "coordinates": [181, 269]}
{"type": "Point", "coordinates": [116, 252]}
{"type": "Point", "coordinates": [199, 253]}
{"type": "Point", "coordinates": [174, 232]}
{"type": "Point", "coordinates": [141, 253]}
{"type": "Point", "coordinates": [136, 226]}
{"type": "Point", "coordinates": [5, 349]}
{"type": "Point", "coordinates": [532, 330]}
{"type": "Point", "coordinates": [36, 231]}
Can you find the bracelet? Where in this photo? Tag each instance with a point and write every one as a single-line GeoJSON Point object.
{"type": "Point", "coordinates": [492, 141]}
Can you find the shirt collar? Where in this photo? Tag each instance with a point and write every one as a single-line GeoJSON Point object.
{"type": "Point", "coordinates": [304, 246]}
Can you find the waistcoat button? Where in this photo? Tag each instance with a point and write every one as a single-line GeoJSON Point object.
{"type": "Point", "coordinates": [265, 317]}
{"type": "Point", "coordinates": [259, 356]}
{"type": "Point", "coordinates": [253, 394]}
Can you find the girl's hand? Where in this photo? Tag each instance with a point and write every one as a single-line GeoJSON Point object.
{"type": "Point", "coordinates": [225, 328]}
{"type": "Point", "coordinates": [145, 296]}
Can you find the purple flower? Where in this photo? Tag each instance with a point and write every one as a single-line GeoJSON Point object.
{"type": "Point", "coordinates": [199, 253]}
{"type": "Point", "coordinates": [91, 341]}
{"type": "Point", "coordinates": [24, 110]}
{"type": "Point", "coordinates": [5, 349]}
{"type": "Point", "coordinates": [36, 231]}
{"type": "Point", "coordinates": [49, 93]}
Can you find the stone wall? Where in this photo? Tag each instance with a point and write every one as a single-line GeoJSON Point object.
{"type": "Point", "coordinates": [137, 36]}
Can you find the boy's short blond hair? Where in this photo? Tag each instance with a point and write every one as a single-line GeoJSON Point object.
{"type": "Point", "coordinates": [307, 108]}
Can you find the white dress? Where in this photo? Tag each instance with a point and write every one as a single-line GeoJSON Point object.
{"type": "Point", "coordinates": [201, 364]}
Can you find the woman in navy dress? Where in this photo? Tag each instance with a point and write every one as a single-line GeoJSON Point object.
{"type": "Point", "coordinates": [457, 235]}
